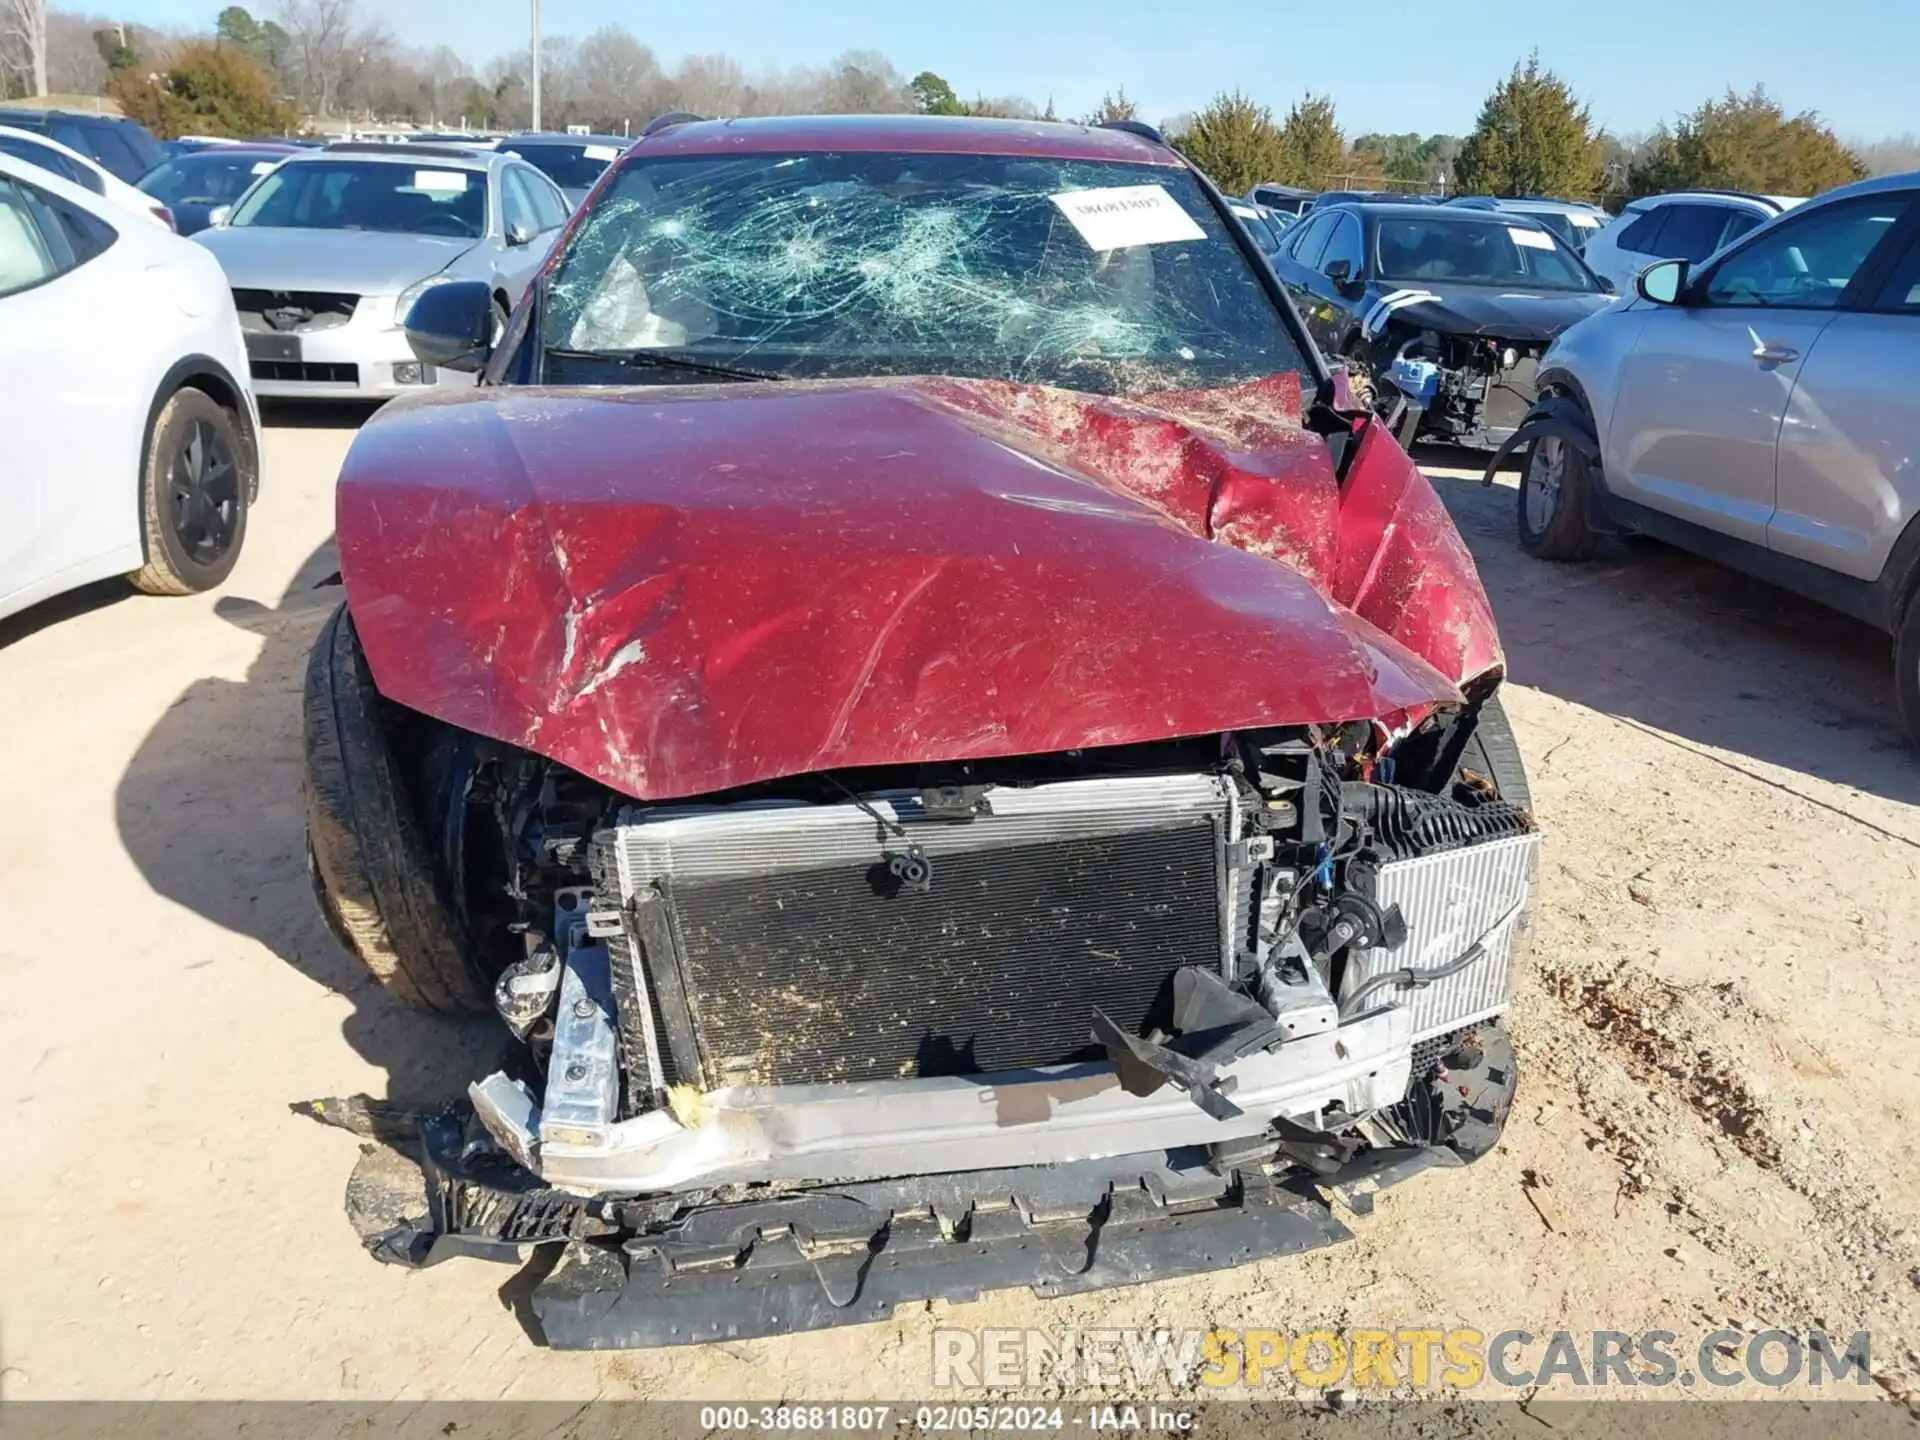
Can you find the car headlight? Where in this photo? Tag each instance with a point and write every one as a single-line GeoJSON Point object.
{"type": "Point", "coordinates": [412, 293]}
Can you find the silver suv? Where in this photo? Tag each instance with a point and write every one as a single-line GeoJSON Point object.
{"type": "Point", "coordinates": [1761, 409]}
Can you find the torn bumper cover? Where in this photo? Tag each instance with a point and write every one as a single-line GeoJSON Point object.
{"type": "Point", "coordinates": [639, 1274]}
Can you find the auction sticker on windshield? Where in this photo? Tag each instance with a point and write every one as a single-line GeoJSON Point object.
{"type": "Point", "coordinates": [1532, 239]}
{"type": "Point", "coordinates": [601, 152]}
{"type": "Point", "coordinates": [443, 182]}
{"type": "Point", "coordinates": [1123, 215]}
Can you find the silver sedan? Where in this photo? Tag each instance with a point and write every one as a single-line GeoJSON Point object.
{"type": "Point", "coordinates": [327, 251]}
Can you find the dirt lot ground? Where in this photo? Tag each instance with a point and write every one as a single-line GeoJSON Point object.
{"type": "Point", "coordinates": [1717, 1028]}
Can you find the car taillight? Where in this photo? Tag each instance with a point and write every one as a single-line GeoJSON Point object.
{"type": "Point", "coordinates": [166, 217]}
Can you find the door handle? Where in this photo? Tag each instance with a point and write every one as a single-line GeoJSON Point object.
{"type": "Point", "coordinates": [1768, 353]}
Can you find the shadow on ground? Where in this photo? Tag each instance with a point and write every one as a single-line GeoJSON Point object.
{"type": "Point", "coordinates": [61, 608]}
{"type": "Point", "coordinates": [210, 810]}
{"type": "Point", "coordinates": [1657, 637]}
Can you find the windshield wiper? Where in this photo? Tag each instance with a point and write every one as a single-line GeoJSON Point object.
{"type": "Point", "coordinates": [664, 360]}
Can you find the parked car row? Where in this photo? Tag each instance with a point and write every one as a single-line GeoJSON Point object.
{"type": "Point", "coordinates": [1758, 407]}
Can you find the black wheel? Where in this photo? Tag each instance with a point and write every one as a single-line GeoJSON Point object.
{"type": "Point", "coordinates": [371, 858]}
{"type": "Point", "coordinates": [1906, 668]}
{"type": "Point", "coordinates": [1555, 483]}
{"type": "Point", "coordinates": [193, 496]}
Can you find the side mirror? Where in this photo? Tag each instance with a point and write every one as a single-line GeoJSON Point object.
{"type": "Point", "coordinates": [219, 215]}
{"type": "Point", "coordinates": [1340, 272]}
{"type": "Point", "coordinates": [451, 325]}
{"type": "Point", "coordinates": [1663, 282]}
{"type": "Point", "coordinates": [519, 233]}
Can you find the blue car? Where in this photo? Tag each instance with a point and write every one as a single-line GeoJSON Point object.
{"type": "Point", "coordinates": [197, 182]}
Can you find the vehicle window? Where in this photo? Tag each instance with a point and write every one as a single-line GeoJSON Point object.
{"type": "Point", "coordinates": [114, 154]}
{"type": "Point", "coordinates": [516, 198]}
{"type": "Point", "coordinates": [51, 160]}
{"type": "Point", "coordinates": [576, 167]}
{"type": "Point", "coordinates": [206, 177]}
{"type": "Point", "coordinates": [1739, 223]}
{"type": "Point", "coordinates": [1344, 244]}
{"type": "Point", "coordinates": [1560, 224]}
{"type": "Point", "coordinates": [1901, 293]}
{"type": "Point", "coordinates": [144, 148]}
{"type": "Point", "coordinates": [33, 246]}
{"type": "Point", "coordinates": [548, 203]}
{"type": "Point", "coordinates": [1642, 233]}
{"type": "Point", "coordinates": [1465, 249]}
{"type": "Point", "coordinates": [1805, 263]}
{"type": "Point", "coordinates": [868, 264]}
{"type": "Point", "coordinates": [71, 134]}
{"type": "Point", "coordinates": [1313, 239]}
{"type": "Point", "coordinates": [402, 198]}
{"type": "Point", "coordinates": [1692, 232]}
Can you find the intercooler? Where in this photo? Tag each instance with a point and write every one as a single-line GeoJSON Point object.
{"type": "Point", "coordinates": [1451, 900]}
{"type": "Point", "coordinates": [903, 935]}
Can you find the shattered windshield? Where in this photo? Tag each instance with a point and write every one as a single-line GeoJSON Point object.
{"type": "Point", "coordinates": [1093, 276]}
{"type": "Point", "coordinates": [1473, 251]}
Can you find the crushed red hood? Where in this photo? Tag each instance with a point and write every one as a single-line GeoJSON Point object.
{"type": "Point", "coordinates": [683, 590]}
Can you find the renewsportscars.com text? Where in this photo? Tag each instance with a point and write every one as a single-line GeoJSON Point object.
{"type": "Point", "coordinates": [1458, 1357]}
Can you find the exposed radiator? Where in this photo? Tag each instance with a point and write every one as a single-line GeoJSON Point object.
{"type": "Point", "coordinates": [776, 944]}
{"type": "Point", "coordinates": [1450, 900]}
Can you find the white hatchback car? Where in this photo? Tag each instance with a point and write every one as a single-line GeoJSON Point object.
{"type": "Point", "coordinates": [131, 432]}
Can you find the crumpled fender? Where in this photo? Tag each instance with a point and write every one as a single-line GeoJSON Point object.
{"type": "Point", "coordinates": [1559, 415]}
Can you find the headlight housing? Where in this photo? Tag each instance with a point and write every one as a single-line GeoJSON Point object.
{"type": "Point", "coordinates": [404, 301]}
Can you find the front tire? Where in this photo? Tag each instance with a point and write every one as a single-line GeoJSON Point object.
{"type": "Point", "coordinates": [193, 496]}
{"type": "Point", "coordinates": [1556, 487]}
{"type": "Point", "coordinates": [1906, 668]}
{"type": "Point", "coordinates": [371, 862]}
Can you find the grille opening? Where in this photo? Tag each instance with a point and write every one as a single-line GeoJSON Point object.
{"type": "Point", "coordinates": [290, 312]}
{"type": "Point", "coordinates": [827, 975]}
{"type": "Point", "coordinates": [306, 371]}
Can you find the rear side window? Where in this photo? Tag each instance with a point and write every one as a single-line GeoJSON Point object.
{"type": "Point", "coordinates": [114, 154]}
{"type": "Point", "coordinates": [1692, 232]}
{"type": "Point", "coordinates": [143, 147]}
{"type": "Point", "coordinates": [51, 160]}
{"type": "Point", "coordinates": [1738, 224]}
{"type": "Point", "coordinates": [42, 237]}
{"type": "Point", "coordinates": [1643, 232]}
{"type": "Point", "coordinates": [73, 135]}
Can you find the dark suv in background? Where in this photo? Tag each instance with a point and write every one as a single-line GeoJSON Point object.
{"type": "Point", "coordinates": [121, 146]}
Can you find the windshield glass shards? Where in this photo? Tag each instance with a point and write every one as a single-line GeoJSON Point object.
{"type": "Point", "coordinates": [1108, 277]}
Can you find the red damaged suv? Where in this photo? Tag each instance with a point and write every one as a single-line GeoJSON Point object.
{"type": "Point", "coordinates": [960, 756]}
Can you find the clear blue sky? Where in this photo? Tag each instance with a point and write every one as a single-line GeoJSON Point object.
{"type": "Point", "coordinates": [1392, 65]}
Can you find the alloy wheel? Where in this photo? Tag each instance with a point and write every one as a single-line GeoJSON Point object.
{"type": "Point", "coordinates": [203, 490]}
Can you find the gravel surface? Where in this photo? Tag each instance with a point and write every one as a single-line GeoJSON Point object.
{"type": "Point", "coordinates": [1716, 1027]}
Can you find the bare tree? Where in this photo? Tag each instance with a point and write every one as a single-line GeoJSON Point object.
{"type": "Point", "coordinates": [320, 34]}
{"type": "Point", "coordinates": [74, 66]}
{"type": "Point", "coordinates": [23, 45]}
{"type": "Point", "coordinates": [864, 82]}
{"type": "Point", "coordinates": [709, 85]}
{"type": "Point", "coordinates": [617, 79]}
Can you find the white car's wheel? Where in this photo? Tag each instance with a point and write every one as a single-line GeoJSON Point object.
{"type": "Point", "coordinates": [193, 496]}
